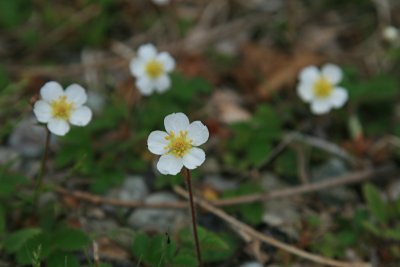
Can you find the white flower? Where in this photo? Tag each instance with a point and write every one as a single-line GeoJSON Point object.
{"type": "Point", "coordinates": [178, 145]}
{"type": "Point", "coordinates": [319, 88]}
{"type": "Point", "coordinates": [59, 108]}
{"type": "Point", "coordinates": [151, 69]}
{"type": "Point", "coordinates": [161, 2]}
{"type": "Point", "coordinates": [390, 34]}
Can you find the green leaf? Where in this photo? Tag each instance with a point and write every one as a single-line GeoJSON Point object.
{"type": "Point", "coordinates": [184, 259]}
{"type": "Point", "coordinates": [214, 247]}
{"type": "Point", "coordinates": [9, 183]}
{"type": "Point", "coordinates": [375, 203]}
{"type": "Point", "coordinates": [2, 220]}
{"type": "Point", "coordinates": [13, 13]}
{"type": "Point", "coordinates": [69, 239]}
{"type": "Point", "coordinates": [379, 88]}
{"type": "Point", "coordinates": [252, 213]}
{"type": "Point", "coordinates": [17, 240]}
{"type": "Point", "coordinates": [157, 250]}
{"type": "Point", "coordinates": [62, 259]}
{"type": "Point", "coordinates": [140, 246]}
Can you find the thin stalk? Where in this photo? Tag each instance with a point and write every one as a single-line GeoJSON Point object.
{"type": "Point", "coordinates": [188, 179]}
{"type": "Point", "coordinates": [42, 171]}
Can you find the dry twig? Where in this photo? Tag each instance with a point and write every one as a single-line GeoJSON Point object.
{"type": "Point", "coordinates": [352, 178]}
{"type": "Point", "coordinates": [242, 228]}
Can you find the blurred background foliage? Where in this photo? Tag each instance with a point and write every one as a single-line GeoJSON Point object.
{"type": "Point", "coordinates": [237, 68]}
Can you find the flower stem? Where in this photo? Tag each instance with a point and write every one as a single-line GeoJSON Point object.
{"type": "Point", "coordinates": [42, 171]}
{"type": "Point", "coordinates": [187, 176]}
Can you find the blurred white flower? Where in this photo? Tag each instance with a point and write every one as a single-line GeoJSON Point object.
{"type": "Point", "coordinates": [151, 69]}
{"type": "Point", "coordinates": [319, 88]}
{"type": "Point", "coordinates": [390, 34]}
{"type": "Point", "coordinates": [161, 2]}
{"type": "Point", "coordinates": [59, 108]}
{"type": "Point", "coordinates": [178, 145]}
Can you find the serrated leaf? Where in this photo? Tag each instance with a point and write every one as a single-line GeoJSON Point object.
{"type": "Point", "coordinates": [18, 239]}
{"type": "Point", "coordinates": [375, 203]}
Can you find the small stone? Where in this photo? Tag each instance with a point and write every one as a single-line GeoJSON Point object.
{"type": "Point", "coordinates": [28, 138]}
{"type": "Point", "coordinates": [134, 188]}
{"type": "Point", "coordinates": [329, 170]}
{"type": "Point", "coordinates": [96, 213]}
{"type": "Point", "coordinates": [10, 156]}
{"type": "Point", "coordinates": [284, 215]}
{"type": "Point", "coordinates": [99, 227]}
{"type": "Point", "coordinates": [211, 165]}
{"type": "Point", "coordinates": [158, 219]}
{"type": "Point", "coordinates": [394, 190]}
{"type": "Point", "coordinates": [47, 198]}
{"type": "Point", "coordinates": [219, 183]}
{"type": "Point", "coordinates": [96, 101]}
{"type": "Point", "coordinates": [280, 213]}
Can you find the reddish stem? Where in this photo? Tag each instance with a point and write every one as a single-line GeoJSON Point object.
{"type": "Point", "coordinates": [188, 179]}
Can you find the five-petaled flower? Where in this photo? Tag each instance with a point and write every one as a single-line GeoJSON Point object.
{"type": "Point", "coordinates": [178, 145]}
{"type": "Point", "coordinates": [58, 108]}
{"type": "Point", "coordinates": [319, 88]}
{"type": "Point", "coordinates": [151, 69]}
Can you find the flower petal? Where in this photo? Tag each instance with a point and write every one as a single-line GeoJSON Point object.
{"type": "Point", "coordinates": [167, 61]}
{"type": "Point", "coordinates": [168, 164]}
{"type": "Point", "coordinates": [309, 74]}
{"type": "Point", "coordinates": [58, 127]}
{"type": "Point", "coordinates": [76, 94]}
{"type": "Point", "coordinates": [51, 91]}
{"type": "Point", "coordinates": [332, 72]}
{"type": "Point", "coordinates": [136, 67]}
{"type": "Point", "coordinates": [147, 51]}
{"type": "Point", "coordinates": [81, 116]}
{"type": "Point", "coordinates": [176, 122]}
{"type": "Point", "coordinates": [42, 111]}
{"type": "Point", "coordinates": [339, 97]}
{"type": "Point", "coordinates": [156, 142]}
{"type": "Point", "coordinates": [198, 132]}
{"type": "Point", "coordinates": [162, 83]}
{"type": "Point", "coordinates": [305, 92]}
{"type": "Point", "coordinates": [194, 158]}
{"type": "Point", "coordinates": [319, 107]}
{"type": "Point", "coordinates": [145, 86]}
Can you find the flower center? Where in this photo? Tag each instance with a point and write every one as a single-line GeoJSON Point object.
{"type": "Point", "coordinates": [179, 145]}
{"type": "Point", "coordinates": [322, 88]}
{"type": "Point", "coordinates": [154, 69]}
{"type": "Point", "coordinates": [61, 108]}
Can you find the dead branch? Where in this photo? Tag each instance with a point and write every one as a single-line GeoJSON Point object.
{"type": "Point", "coordinates": [352, 178]}
{"type": "Point", "coordinates": [242, 228]}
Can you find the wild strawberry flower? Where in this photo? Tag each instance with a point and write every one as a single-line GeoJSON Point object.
{"type": "Point", "coordinates": [178, 145]}
{"type": "Point", "coordinates": [320, 88]}
{"type": "Point", "coordinates": [151, 69]}
{"type": "Point", "coordinates": [390, 34]}
{"type": "Point", "coordinates": [59, 108]}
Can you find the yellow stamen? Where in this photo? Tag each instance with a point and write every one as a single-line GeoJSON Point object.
{"type": "Point", "coordinates": [179, 145]}
{"type": "Point", "coordinates": [154, 69]}
{"type": "Point", "coordinates": [323, 88]}
{"type": "Point", "coordinates": [61, 108]}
